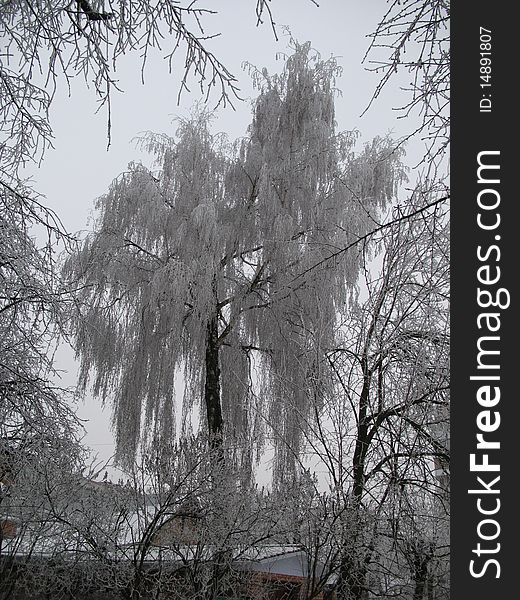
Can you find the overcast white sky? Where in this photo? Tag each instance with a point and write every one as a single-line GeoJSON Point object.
{"type": "Point", "coordinates": [80, 168]}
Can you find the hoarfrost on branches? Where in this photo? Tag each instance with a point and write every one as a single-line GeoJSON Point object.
{"type": "Point", "coordinates": [207, 265]}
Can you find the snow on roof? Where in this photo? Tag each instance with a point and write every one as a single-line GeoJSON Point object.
{"type": "Point", "coordinates": [277, 560]}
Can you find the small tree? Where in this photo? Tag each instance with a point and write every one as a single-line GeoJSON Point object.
{"type": "Point", "coordinates": [382, 441]}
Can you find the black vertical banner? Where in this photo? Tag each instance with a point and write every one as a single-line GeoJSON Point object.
{"type": "Point", "coordinates": [484, 469]}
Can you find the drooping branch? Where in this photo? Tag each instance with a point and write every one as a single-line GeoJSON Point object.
{"type": "Point", "coordinates": [91, 14]}
{"type": "Point", "coordinates": [369, 235]}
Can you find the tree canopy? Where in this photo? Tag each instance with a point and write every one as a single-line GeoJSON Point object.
{"type": "Point", "coordinates": [210, 264]}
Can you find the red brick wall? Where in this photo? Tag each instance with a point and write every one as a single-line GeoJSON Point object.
{"type": "Point", "coordinates": [274, 586]}
{"type": "Point", "coordinates": [9, 528]}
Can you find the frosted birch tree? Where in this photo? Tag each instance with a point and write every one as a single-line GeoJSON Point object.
{"type": "Point", "coordinates": [213, 263]}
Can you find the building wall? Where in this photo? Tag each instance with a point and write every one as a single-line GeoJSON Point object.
{"type": "Point", "coordinates": [271, 586]}
{"type": "Point", "coordinates": [8, 528]}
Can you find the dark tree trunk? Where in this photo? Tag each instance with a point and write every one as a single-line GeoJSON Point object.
{"type": "Point", "coordinates": [353, 570]}
{"type": "Point", "coordinates": [353, 579]}
{"type": "Point", "coordinates": [362, 442]}
{"type": "Point", "coordinates": [212, 399]}
{"type": "Point", "coordinates": [420, 576]}
{"type": "Point", "coordinates": [212, 387]}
